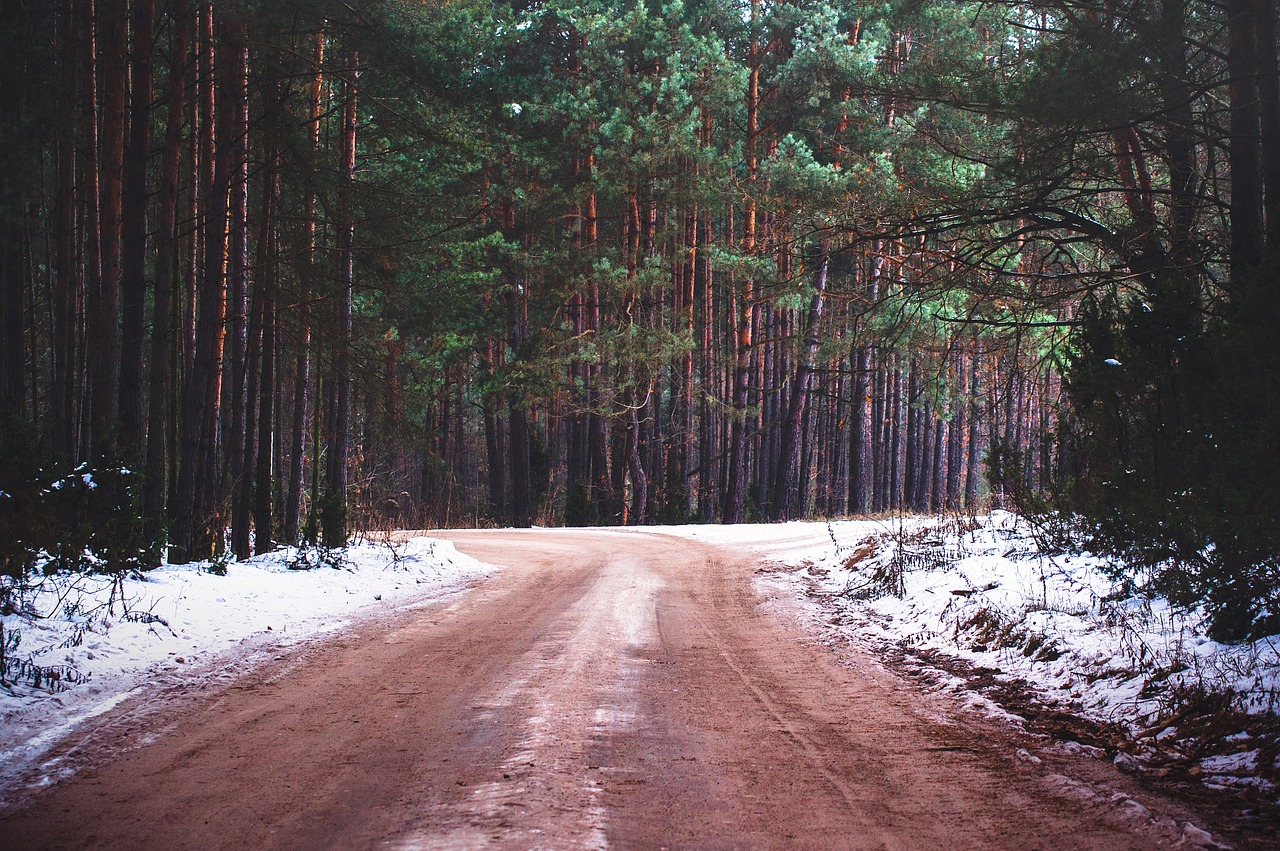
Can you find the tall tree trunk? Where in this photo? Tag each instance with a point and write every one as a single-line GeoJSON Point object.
{"type": "Point", "coordinates": [971, 476]}
{"type": "Point", "coordinates": [1180, 145]}
{"type": "Point", "coordinates": [163, 347]}
{"type": "Point", "coordinates": [245, 454]}
{"type": "Point", "coordinates": [924, 475]}
{"type": "Point", "coordinates": [66, 331]}
{"type": "Point", "coordinates": [12, 206]}
{"type": "Point", "coordinates": [785, 483]}
{"type": "Point", "coordinates": [302, 341]}
{"type": "Point", "coordinates": [1269, 113]}
{"type": "Point", "coordinates": [709, 449]}
{"type": "Point", "coordinates": [238, 465]}
{"type": "Point", "coordinates": [898, 406]}
{"type": "Point", "coordinates": [1246, 167]}
{"type": "Point", "coordinates": [133, 285]}
{"type": "Point", "coordinates": [495, 445]}
{"type": "Point", "coordinates": [955, 437]}
{"type": "Point", "coordinates": [736, 485]}
{"type": "Point", "coordinates": [265, 290]}
{"type": "Point", "coordinates": [938, 479]}
{"type": "Point", "coordinates": [200, 397]}
{"type": "Point", "coordinates": [262, 527]}
{"type": "Point", "coordinates": [597, 425]}
{"type": "Point", "coordinates": [113, 54]}
{"type": "Point", "coordinates": [865, 424]}
{"type": "Point", "coordinates": [521, 479]}
{"type": "Point", "coordinates": [911, 480]}
{"type": "Point", "coordinates": [90, 193]}
{"type": "Point", "coordinates": [639, 480]}
{"type": "Point", "coordinates": [338, 449]}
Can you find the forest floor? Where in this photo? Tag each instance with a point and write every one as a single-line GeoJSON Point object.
{"type": "Point", "coordinates": [624, 688]}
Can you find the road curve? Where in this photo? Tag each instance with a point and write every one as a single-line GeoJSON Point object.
{"type": "Point", "coordinates": [609, 689]}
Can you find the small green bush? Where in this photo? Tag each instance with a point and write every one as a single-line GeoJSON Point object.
{"type": "Point", "coordinates": [56, 516]}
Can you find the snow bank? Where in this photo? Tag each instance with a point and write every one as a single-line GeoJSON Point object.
{"type": "Point", "coordinates": [108, 639]}
{"type": "Point", "coordinates": [982, 590]}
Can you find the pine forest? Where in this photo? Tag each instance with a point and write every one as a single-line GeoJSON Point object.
{"type": "Point", "coordinates": [281, 271]}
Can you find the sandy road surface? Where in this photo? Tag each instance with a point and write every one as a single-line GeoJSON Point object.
{"type": "Point", "coordinates": [608, 689]}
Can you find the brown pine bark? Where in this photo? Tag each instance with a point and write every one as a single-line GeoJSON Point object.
{"type": "Point", "coordinates": [735, 491]}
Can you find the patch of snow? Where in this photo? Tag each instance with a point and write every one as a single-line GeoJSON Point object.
{"type": "Point", "coordinates": [1236, 763]}
{"type": "Point", "coordinates": [988, 595]}
{"type": "Point", "coordinates": [119, 636]}
{"type": "Point", "coordinates": [983, 590]}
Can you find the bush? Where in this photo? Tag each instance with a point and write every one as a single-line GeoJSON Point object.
{"type": "Point", "coordinates": [55, 516]}
{"type": "Point", "coordinates": [1177, 445]}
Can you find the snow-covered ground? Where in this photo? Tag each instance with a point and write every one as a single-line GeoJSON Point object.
{"type": "Point", "coordinates": [981, 590]}
{"type": "Point", "coordinates": [108, 640]}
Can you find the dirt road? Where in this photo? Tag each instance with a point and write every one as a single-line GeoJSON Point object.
{"type": "Point", "coordinates": [608, 689]}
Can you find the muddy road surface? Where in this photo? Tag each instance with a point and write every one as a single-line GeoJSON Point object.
{"type": "Point", "coordinates": [608, 689]}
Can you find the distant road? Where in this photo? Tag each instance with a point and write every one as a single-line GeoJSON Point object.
{"type": "Point", "coordinates": [610, 688]}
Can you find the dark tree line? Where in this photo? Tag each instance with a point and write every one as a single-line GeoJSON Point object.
{"type": "Point", "coordinates": [167, 256]}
